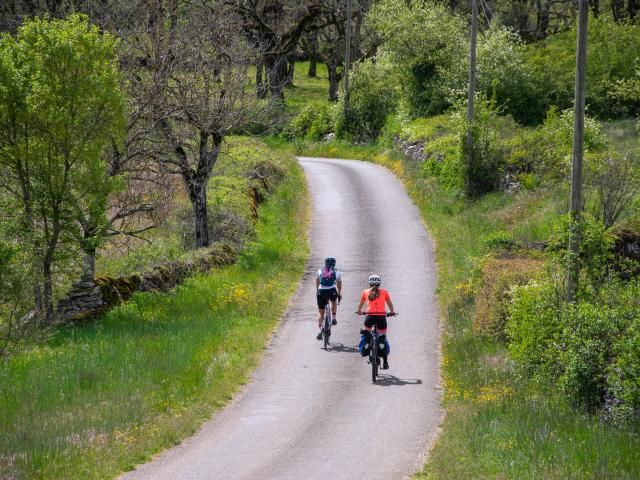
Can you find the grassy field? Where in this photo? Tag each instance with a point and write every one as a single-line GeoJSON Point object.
{"type": "Point", "coordinates": [498, 424]}
{"type": "Point", "coordinates": [99, 399]}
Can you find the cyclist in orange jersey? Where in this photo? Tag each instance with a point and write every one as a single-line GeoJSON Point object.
{"type": "Point", "coordinates": [376, 298]}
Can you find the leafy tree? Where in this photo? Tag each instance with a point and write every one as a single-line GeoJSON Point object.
{"type": "Point", "coordinates": [60, 106]}
{"type": "Point", "coordinates": [428, 45]}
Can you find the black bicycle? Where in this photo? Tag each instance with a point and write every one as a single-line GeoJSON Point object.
{"type": "Point", "coordinates": [374, 355]}
{"type": "Point", "coordinates": [326, 324]}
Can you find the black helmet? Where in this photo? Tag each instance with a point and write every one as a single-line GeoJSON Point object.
{"type": "Point", "coordinates": [330, 262]}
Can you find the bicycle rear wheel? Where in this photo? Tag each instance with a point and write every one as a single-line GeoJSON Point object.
{"type": "Point", "coordinates": [374, 363]}
{"type": "Point", "coordinates": [326, 329]}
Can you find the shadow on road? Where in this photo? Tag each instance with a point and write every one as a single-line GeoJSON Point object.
{"type": "Point", "coordinates": [387, 380]}
{"type": "Point", "coordinates": [341, 348]}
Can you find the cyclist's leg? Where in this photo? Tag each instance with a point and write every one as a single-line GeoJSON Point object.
{"type": "Point", "coordinates": [382, 328]}
{"type": "Point", "coordinates": [322, 301]}
{"type": "Point", "coordinates": [333, 296]}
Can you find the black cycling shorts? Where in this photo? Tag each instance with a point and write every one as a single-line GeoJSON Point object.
{"type": "Point", "coordinates": [379, 320]}
{"type": "Point", "coordinates": [324, 295]}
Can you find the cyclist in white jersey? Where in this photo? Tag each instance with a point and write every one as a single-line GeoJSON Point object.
{"type": "Point", "coordinates": [328, 287]}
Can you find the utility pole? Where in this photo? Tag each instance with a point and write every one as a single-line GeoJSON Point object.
{"type": "Point", "coordinates": [471, 95]}
{"type": "Point", "coordinates": [347, 59]}
{"type": "Point", "coordinates": [577, 153]}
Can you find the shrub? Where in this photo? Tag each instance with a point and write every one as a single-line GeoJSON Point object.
{"type": "Point", "coordinates": [499, 240]}
{"type": "Point", "coordinates": [425, 43]}
{"type": "Point", "coordinates": [588, 333]}
{"type": "Point", "coordinates": [623, 374]}
{"type": "Point", "coordinates": [499, 276]}
{"type": "Point", "coordinates": [504, 74]}
{"type": "Point", "coordinates": [312, 123]}
{"type": "Point", "coordinates": [596, 252]}
{"type": "Point", "coordinates": [533, 328]}
{"type": "Point", "coordinates": [372, 98]}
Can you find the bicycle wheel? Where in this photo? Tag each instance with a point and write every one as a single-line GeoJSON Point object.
{"type": "Point", "coordinates": [326, 330]}
{"type": "Point", "coordinates": [374, 363]}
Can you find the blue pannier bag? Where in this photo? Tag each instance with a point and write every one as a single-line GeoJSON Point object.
{"type": "Point", "coordinates": [365, 345]}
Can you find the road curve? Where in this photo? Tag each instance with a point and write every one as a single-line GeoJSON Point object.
{"type": "Point", "coordinates": [314, 414]}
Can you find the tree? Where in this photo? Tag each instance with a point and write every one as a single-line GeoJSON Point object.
{"type": "Point", "coordinates": [60, 106]}
{"type": "Point", "coordinates": [274, 28]}
{"type": "Point", "coordinates": [195, 76]}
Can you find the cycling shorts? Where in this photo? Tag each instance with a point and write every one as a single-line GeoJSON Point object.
{"type": "Point", "coordinates": [324, 295]}
{"type": "Point", "coordinates": [379, 320]}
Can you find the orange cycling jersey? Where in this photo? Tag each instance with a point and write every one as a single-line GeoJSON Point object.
{"type": "Point", "coordinates": [375, 307]}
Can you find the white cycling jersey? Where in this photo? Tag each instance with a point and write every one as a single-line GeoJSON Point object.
{"type": "Point", "coordinates": [328, 287]}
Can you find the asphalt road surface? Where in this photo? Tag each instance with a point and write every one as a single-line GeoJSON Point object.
{"type": "Point", "coordinates": [315, 414]}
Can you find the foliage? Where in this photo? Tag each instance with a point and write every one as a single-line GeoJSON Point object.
{"type": "Point", "coordinates": [493, 292]}
{"type": "Point", "coordinates": [595, 253]}
{"type": "Point", "coordinates": [614, 182]}
{"type": "Point", "coordinates": [372, 98]}
{"type": "Point", "coordinates": [312, 123]}
{"type": "Point", "coordinates": [505, 75]}
{"type": "Point", "coordinates": [426, 44]}
{"type": "Point", "coordinates": [613, 52]}
{"type": "Point", "coordinates": [60, 106]}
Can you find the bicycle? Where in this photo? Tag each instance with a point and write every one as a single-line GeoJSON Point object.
{"type": "Point", "coordinates": [374, 356]}
{"type": "Point", "coordinates": [326, 324]}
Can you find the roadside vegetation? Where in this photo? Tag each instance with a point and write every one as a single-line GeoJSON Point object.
{"type": "Point", "coordinates": [95, 400]}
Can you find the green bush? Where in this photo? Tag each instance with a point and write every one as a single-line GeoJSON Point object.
{"type": "Point", "coordinates": [372, 98]}
{"type": "Point", "coordinates": [533, 328]}
{"type": "Point", "coordinates": [624, 374]}
{"type": "Point", "coordinates": [312, 123]}
{"type": "Point", "coordinates": [498, 277]}
{"type": "Point", "coordinates": [426, 45]}
{"type": "Point", "coordinates": [588, 333]}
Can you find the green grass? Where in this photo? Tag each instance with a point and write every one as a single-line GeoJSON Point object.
{"type": "Point", "coordinates": [97, 400]}
{"type": "Point", "coordinates": [306, 90]}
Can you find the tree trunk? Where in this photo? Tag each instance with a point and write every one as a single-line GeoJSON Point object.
{"type": "Point", "coordinates": [261, 86]}
{"type": "Point", "coordinates": [276, 66]}
{"type": "Point", "coordinates": [47, 288]}
{"type": "Point", "coordinates": [197, 188]}
{"type": "Point", "coordinates": [542, 20]}
{"type": "Point", "coordinates": [334, 80]}
{"type": "Point", "coordinates": [291, 66]}
{"type": "Point", "coordinates": [313, 67]}
{"type": "Point", "coordinates": [617, 7]}
{"type": "Point", "coordinates": [88, 265]}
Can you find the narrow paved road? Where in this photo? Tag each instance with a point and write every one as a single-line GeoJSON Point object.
{"type": "Point", "coordinates": [314, 414]}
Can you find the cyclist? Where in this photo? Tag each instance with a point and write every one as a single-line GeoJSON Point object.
{"type": "Point", "coordinates": [376, 297]}
{"type": "Point", "coordinates": [328, 288]}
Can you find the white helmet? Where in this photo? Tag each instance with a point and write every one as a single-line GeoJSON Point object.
{"type": "Point", "coordinates": [375, 280]}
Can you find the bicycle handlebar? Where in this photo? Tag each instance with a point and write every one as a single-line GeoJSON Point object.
{"type": "Point", "coordinates": [387, 314]}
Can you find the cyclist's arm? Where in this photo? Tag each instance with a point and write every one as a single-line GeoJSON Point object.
{"type": "Point", "coordinates": [389, 303]}
{"type": "Point", "coordinates": [339, 284]}
{"type": "Point", "coordinates": [360, 306]}
{"type": "Point", "coordinates": [317, 282]}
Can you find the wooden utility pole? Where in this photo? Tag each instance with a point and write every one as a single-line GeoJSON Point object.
{"type": "Point", "coordinates": [347, 59]}
{"type": "Point", "coordinates": [471, 95]}
{"type": "Point", "coordinates": [577, 153]}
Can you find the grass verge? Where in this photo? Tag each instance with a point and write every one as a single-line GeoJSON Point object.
{"type": "Point", "coordinates": [99, 399]}
{"type": "Point", "coordinates": [498, 425]}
